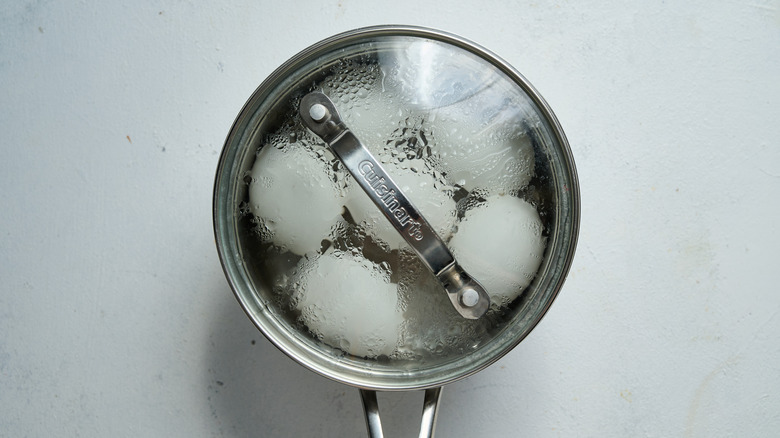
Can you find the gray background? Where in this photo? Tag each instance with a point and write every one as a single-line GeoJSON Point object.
{"type": "Point", "coordinates": [116, 319]}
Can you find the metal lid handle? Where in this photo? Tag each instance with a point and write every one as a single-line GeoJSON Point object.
{"type": "Point", "coordinates": [466, 294]}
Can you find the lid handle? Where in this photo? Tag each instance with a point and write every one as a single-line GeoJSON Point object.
{"type": "Point", "coordinates": [466, 294]}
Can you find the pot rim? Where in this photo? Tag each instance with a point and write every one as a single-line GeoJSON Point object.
{"type": "Point", "coordinates": [261, 316]}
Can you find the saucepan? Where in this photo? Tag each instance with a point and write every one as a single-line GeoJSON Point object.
{"type": "Point", "coordinates": [396, 208]}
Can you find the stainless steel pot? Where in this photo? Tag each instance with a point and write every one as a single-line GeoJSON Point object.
{"type": "Point", "coordinates": [443, 98]}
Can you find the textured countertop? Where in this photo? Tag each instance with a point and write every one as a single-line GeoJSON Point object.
{"type": "Point", "coordinates": [116, 318]}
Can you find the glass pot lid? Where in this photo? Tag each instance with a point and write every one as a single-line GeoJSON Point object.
{"type": "Point", "coordinates": [325, 276]}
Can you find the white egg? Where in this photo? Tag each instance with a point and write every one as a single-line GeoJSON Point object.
{"type": "Point", "coordinates": [373, 120]}
{"type": "Point", "coordinates": [473, 113]}
{"type": "Point", "coordinates": [349, 303]}
{"type": "Point", "coordinates": [500, 243]}
{"type": "Point", "coordinates": [428, 74]}
{"type": "Point", "coordinates": [294, 196]}
{"type": "Point", "coordinates": [417, 182]}
{"type": "Point", "coordinates": [487, 152]}
{"type": "Point", "coordinates": [357, 93]}
{"type": "Point", "coordinates": [498, 165]}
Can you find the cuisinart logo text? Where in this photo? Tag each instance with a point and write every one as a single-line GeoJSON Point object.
{"type": "Point", "coordinates": [378, 185]}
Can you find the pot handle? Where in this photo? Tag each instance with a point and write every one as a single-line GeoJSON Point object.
{"type": "Point", "coordinates": [429, 411]}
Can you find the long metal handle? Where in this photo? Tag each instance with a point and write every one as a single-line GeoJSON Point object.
{"type": "Point", "coordinates": [466, 294]}
{"type": "Point", "coordinates": [429, 412]}
{"type": "Point", "coordinates": [371, 409]}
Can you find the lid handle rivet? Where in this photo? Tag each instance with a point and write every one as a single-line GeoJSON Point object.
{"type": "Point", "coordinates": [318, 112]}
{"type": "Point", "coordinates": [469, 297]}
